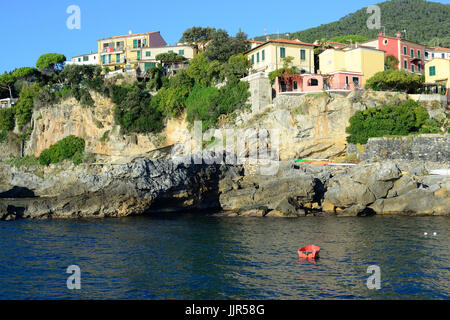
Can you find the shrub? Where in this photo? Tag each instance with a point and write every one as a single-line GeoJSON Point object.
{"type": "Point", "coordinates": [3, 135]}
{"type": "Point", "coordinates": [24, 108]}
{"type": "Point", "coordinates": [7, 119]}
{"type": "Point", "coordinates": [395, 80]}
{"type": "Point", "coordinates": [408, 117]}
{"type": "Point", "coordinates": [198, 106]}
{"type": "Point", "coordinates": [63, 149]}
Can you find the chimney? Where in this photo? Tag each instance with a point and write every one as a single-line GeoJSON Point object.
{"type": "Point", "coordinates": [399, 35]}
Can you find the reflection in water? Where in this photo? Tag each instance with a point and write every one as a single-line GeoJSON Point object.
{"type": "Point", "coordinates": [188, 257]}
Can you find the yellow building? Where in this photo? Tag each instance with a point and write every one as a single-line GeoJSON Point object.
{"type": "Point", "coordinates": [437, 71]}
{"type": "Point", "coordinates": [367, 61]}
{"type": "Point", "coordinates": [269, 55]}
{"type": "Point", "coordinates": [126, 51]}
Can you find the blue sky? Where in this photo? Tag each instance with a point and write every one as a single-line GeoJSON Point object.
{"type": "Point", "coordinates": [30, 28]}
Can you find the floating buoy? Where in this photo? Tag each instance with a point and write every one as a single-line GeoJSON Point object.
{"type": "Point", "coordinates": [435, 234]}
{"type": "Point", "coordinates": [425, 234]}
{"type": "Point", "coordinates": [309, 252]}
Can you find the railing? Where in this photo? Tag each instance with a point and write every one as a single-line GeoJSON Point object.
{"type": "Point", "coordinates": [108, 49]}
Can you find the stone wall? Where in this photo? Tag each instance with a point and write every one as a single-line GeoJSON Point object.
{"type": "Point", "coordinates": [261, 91]}
{"type": "Point", "coordinates": [430, 147]}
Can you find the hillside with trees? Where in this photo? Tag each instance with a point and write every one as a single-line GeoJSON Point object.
{"type": "Point", "coordinates": [424, 21]}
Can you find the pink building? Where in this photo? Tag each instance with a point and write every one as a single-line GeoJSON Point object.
{"type": "Point", "coordinates": [307, 82]}
{"type": "Point", "coordinates": [411, 55]}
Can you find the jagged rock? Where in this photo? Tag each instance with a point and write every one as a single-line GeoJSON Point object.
{"type": "Point", "coordinates": [417, 202]}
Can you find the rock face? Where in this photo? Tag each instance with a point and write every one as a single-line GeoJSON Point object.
{"type": "Point", "coordinates": [135, 188]}
{"type": "Point", "coordinates": [313, 125]}
{"type": "Point", "coordinates": [96, 125]}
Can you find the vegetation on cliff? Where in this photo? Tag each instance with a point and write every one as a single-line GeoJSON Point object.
{"type": "Point", "coordinates": [406, 118]}
{"type": "Point", "coordinates": [70, 147]}
{"type": "Point", "coordinates": [395, 80]}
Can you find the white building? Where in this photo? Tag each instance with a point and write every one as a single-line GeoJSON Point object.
{"type": "Point", "coordinates": [7, 102]}
{"type": "Point", "coordinates": [436, 52]}
{"type": "Point", "coordinates": [84, 59]}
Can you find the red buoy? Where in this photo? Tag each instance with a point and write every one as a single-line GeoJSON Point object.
{"type": "Point", "coordinates": [309, 252]}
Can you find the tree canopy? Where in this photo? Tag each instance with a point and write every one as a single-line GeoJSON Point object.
{"type": "Point", "coordinates": [50, 61]}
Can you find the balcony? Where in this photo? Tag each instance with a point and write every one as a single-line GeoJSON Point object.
{"type": "Point", "coordinates": [139, 47]}
{"type": "Point", "coordinates": [108, 62]}
{"type": "Point", "coordinates": [113, 50]}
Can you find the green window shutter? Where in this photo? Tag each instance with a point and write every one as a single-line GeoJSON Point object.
{"type": "Point", "coordinates": [420, 67]}
{"type": "Point", "coordinates": [412, 53]}
{"type": "Point", "coordinates": [85, 58]}
{"type": "Point", "coordinates": [263, 55]}
{"type": "Point", "coordinates": [412, 68]}
{"type": "Point", "coordinates": [138, 55]}
{"type": "Point", "coordinates": [302, 54]}
{"type": "Point", "coordinates": [148, 54]}
{"type": "Point", "coordinates": [432, 71]}
{"type": "Point", "coordinates": [79, 59]}
{"type": "Point", "coordinates": [103, 59]}
{"type": "Point", "coordinates": [170, 51]}
{"type": "Point", "coordinates": [253, 59]}
{"type": "Point", "coordinates": [418, 54]}
{"type": "Point", "coordinates": [405, 64]}
{"type": "Point", "coordinates": [404, 51]}
{"type": "Point", "coordinates": [135, 43]}
{"type": "Point", "coordinates": [257, 57]}
{"type": "Point", "coordinates": [181, 52]}
{"type": "Point", "coordinates": [282, 53]}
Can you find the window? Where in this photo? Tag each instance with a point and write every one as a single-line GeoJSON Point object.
{"type": "Point", "coordinates": [346, 80]}
{"type": "Point", "coordinates": [355, 82]}
{"type": "Point", "coordinates": [405, 51]}
{"type": "Point", "coordinates": [103, 59]}
{"type": "Point", "coordinates": [282, 53]}
{"type": "Point", "coordinates": [135, 43]}
{"type": "Point", "coordinates": [405, 64]}
{"type": "Point", "coordinates": [79, 59]}
{"type": "Point", "coordinates": [432, 55]}
{"type": "Point", "coordinates": [419, 66]}
{"type": "Point", "coordinates": [418, 54]}
{"type": "Point", "coordinates": [295, 85]}
{"type": "Point", "coordinates": [85, 58]}
{"type": "Point", "coordinates": [138, 55]}
{"type": "Point", "coordinates": [412, 53]}
{"type": "Point", "coordinates": [118, 57]}
{"type": "Point", "coordinates": [263, 56]}
{"type": "Point", "coordinates": [443, 55]}
{"type": "Point", "coordinates": [412, 68]}
{"type": "Point", "coordinates": [302, 54]}
{"type": "Point", "coordinates": [148, 54]}
{"type": "Point", "coordinates": [313, 82]}
{"type": "Point", "coordinates": [257, 57]}
{"type": "Point", "coordinates": [181, 52]}
{"type": "Point", "coordinates": [432, 71]}
{"type": "Point", "coordinates": [170, 51]}
{"type": "Point", "coordinates": [385, 42]}
{"type": "Point", "coordinates": [426, 54]}
{"type": "Point", "coordinates": [253, 59]}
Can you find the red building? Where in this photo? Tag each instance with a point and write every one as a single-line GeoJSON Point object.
{"type": "Point", "coordinates": [411, 55]}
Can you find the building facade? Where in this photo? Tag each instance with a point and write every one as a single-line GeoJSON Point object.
{"type": "Point", "coordinates": [125, 52]}
{"type": "Point", "coordinates": [363, 61]}
{"type": "Point", "coordinates": [84, 59]}
{"type": "Point", "coordinates": [436, 52]}
{"type": "Point", "coordinates": [411, 55]}
{"type": "Point", "coordinates": [437, 71]}
{"type": "Point", "coordinates": [269, 56]}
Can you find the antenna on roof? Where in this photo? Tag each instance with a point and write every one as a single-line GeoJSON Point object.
{"type": "Point", "coordinates": [405, 34]}
{"type": "Point", "coordinates": [265, 30]}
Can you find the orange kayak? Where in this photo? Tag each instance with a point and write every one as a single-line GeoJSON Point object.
{"type": "Point", "coordinates": [309, 252]}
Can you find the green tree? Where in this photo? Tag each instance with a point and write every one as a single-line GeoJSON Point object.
{"type": "Point", "coordinates": [203, 71]}
{"type": "Point", "coordinates": [50, 62]}
{"type": "Point", "coordinates": [6, 119]}
{"type": "Point", "coordinates": [198, 106]}
{"type": "Point", "coordinates": [7, 82]}
{"type": "Point", "coordinates": [221, 47]}
{"type": "Point", "coordinates": [23, 110]}
{"type": "Point", "coordinates": [237, 67]}
{"type": "Point", "coordinates": [169, 57]}
{"type": "Point", "coordinates": [395, 80]}
{"type": "Point", "coordinates": [198, 36]}
{"type": "Point", "coordinates": [391, 62]}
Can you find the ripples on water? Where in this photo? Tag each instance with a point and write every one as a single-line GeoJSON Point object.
{"type": "Point", "coordinates": [187, 257]}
